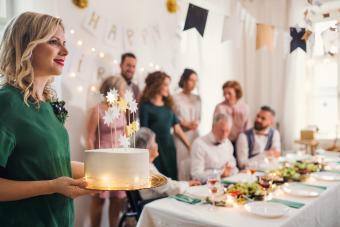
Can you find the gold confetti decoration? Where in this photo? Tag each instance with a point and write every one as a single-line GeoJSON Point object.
{"type": "Point", "coordinates": [123, 105]}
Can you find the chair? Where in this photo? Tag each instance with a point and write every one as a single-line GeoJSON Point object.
{"type": "Point", "coordinates": [135, 206]}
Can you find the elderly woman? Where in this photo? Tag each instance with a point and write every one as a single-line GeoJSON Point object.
{"type": "Point", "coordinates": [145, 139]}
{"type": "Point", "coordinates": [234, 107]}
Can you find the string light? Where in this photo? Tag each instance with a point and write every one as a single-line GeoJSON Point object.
{"type": "Point", "coordinates": [115, 62]}
{"type": "Point", "coordinates": [73, 74]}
{"type": "Point", "coordinates": [151, 64]}
{"type": "Point", "coordinates": [93, 49]}
{"type": "Point", "coordinates": [101, 55]}
{"type": "Point", "coordinates": [72, 31]}
{"type": "Point", "coordinates": [80, 88]}
{"type": "Point", "coordinates": [157, 67]}
{"type": "Point", "coordinates": [93, 88]}
{"type": "Point", "coordinates": [80, 43]}
{"type": "Point", "coordinates": [142, 69]}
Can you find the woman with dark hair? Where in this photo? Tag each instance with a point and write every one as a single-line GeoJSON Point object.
{"type": "Point", "coordinates": [234, 107]}
{"type": "Point", "coordinates": [157, 113]}
{"type": "Point", "coordinates": [188, 111]}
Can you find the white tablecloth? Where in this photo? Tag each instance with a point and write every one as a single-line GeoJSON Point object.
{"type": "Point", "coordinates": [322, 211]}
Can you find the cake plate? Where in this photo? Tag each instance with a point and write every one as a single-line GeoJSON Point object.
{"type": "Point", "coordinates": [155, 181]}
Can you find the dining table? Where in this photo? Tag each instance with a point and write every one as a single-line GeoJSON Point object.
{"type": "Point", "coordinates": [322, 210]}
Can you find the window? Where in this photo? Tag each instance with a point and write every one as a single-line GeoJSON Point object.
{"type": "Point", "coordinates": [324, 88]}
{"type": "Point", "coordinates": [5, 11]}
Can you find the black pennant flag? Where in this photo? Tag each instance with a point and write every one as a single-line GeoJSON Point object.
{"type": "Point", "coordinates": [297, 39]}
{"type": "Point", "coordinates": [196, 18]}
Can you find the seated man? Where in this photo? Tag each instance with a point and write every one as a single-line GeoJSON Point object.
{"type": "Point", "coordinates": [145, 139]}
{"type": "Point", "coordinates": [213, 151]}
{"type": "Point", "coordinates": [259, 142]}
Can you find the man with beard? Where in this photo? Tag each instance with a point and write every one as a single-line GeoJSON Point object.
{"type": "Point", "coordinates": [128, 68]}
{"type": "Point", "coordinates": [259, 142]}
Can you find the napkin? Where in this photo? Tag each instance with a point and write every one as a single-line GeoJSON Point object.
{"type": "Point", "coordinates": [314, 186]}
{"type": "Point", "coordinates": [227, 182]}
{"type": "Point", "coordinates": [186, 199]}
{"type": "Point", "coordinates": [289, 203]}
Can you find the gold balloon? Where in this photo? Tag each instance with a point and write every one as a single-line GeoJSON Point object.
{"type": "Point", "coordinates": [81, 3]}
{"type": "Point", "coordinates": [171, 5]}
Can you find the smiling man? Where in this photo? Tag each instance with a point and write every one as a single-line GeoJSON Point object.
{"type": "Point", "coordinates": [127, 71]}
{"type": "Point", "coordinates": [259, 142]}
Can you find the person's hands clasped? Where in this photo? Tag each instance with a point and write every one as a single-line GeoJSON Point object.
{"type": "Point", "coordinates": [70, 187]}
{"type": "Point", "coordinates": [273, 153]}
{"type": "Point", "coordinates": [227, 170]}
{"type": "Point", "coordinates": [193, 125]}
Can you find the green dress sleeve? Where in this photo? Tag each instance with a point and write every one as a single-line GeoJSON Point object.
{"type": "Point", "coordinates": [175, 120]}
{"type": "Point", "coordinates": [144, 116]}
{"type": "Point", "coordinates": [7, 144]}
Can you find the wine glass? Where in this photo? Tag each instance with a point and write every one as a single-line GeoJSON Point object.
{"type": "Point", "coordinates": [212, 182]}
{"type": "Point", "coordinates": [265, 182]}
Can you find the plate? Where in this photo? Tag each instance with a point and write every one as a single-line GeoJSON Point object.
{"type": "Point", "coordinates": [241, 178]}
{"type": "Point", "coordinates": [297, 189]}
{"type": "Point", "coordinates": [326, 176]}
{"type": "Point", "coordinates": [267, 209]}
{"type": "Point", "coordinates": [154, 182]}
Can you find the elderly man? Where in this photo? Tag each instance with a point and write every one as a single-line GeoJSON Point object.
{"type": "Point", "coordinates": [145, 139]}
{"type": "Point", "coordinates": [259, 142]}
{"type": "Point", "coordinates": [213, 151]}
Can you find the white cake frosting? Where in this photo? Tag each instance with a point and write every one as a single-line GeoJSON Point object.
{"type": "Point", "coordinates": [117, 168]}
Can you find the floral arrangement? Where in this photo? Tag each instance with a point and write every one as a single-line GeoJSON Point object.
{"type": "Point", "coordinates": [59, 110]}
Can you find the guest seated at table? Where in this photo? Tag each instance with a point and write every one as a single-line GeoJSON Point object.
{"type": "Point", "coordinates": [259, 142]}
{"type": "Point", "coordinates": [214, 151]}
{"type": "Point", "coordinates": [145, 139]}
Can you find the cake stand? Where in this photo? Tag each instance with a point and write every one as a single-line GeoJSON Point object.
{"type": "Point", "coordinates": [155, 181]}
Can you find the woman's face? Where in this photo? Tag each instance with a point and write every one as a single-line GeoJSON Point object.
{"type": "Point", "coordinates": [48, 58]}
{"type": "Point", "coordinates": [230, 96]}
{"type": "Point", "coordinates": [165, 87]}
{"type": "Point", "coordinates": [190, 84]}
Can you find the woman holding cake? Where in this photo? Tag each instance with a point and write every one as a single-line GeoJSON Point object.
{"type": "Point", "coordinates": [157, 113]}
{"type": "Point", "coordinates": [99, 136]}
{"type": "Point", "coordinates": [38, 181]}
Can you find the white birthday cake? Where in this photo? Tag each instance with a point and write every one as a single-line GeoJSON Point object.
{"type": "Point", "coordinates": [122, 168]}
{"type": "Point", "coordinates": [117, 168]}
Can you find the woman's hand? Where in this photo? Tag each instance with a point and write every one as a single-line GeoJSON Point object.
{"type": "Point", "coordinates": [70, 187]}
{"type": "Point", "coordinates": [193, 125]}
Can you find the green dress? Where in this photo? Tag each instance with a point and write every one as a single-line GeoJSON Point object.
{"type": "Point", "coordinates": [160, 119]}
{"type": "Point", "coordinates": [34, 146]}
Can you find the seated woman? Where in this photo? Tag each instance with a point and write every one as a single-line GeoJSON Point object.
{"type": "Point", "coordinates": [145, 139]}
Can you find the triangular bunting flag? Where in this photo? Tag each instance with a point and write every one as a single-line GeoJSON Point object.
{"type": "Point", "coordinates": [196, 18]}
{"type": "Point", "coordinates": [264, 36]}
{"type": "Point", "coordinates": [297, 41]}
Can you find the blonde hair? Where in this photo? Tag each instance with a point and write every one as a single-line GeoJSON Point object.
{"type": "Point", "coordinates": [21, 35]}
{"type": "Point", "coordinates": [111, 82]}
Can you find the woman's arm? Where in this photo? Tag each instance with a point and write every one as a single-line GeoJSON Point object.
{"type": "Point", "coordinates": [179, 132]}
{"type": "Point", "coordinates": [27, 189]}
{"type": "Point", "coordinates": [91, 127]}
{"type": "Point", "coordinates": [77, 169]}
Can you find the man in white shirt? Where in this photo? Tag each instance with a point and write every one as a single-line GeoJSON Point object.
{"type": "Point", "coordinates": [145, 139]}
{"type": "Point", "coordinates": [127, 71]}
{"type": "Point", "coordinates": [259, 142]}
{"type": "Point", "coordinates": [214, 151]}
